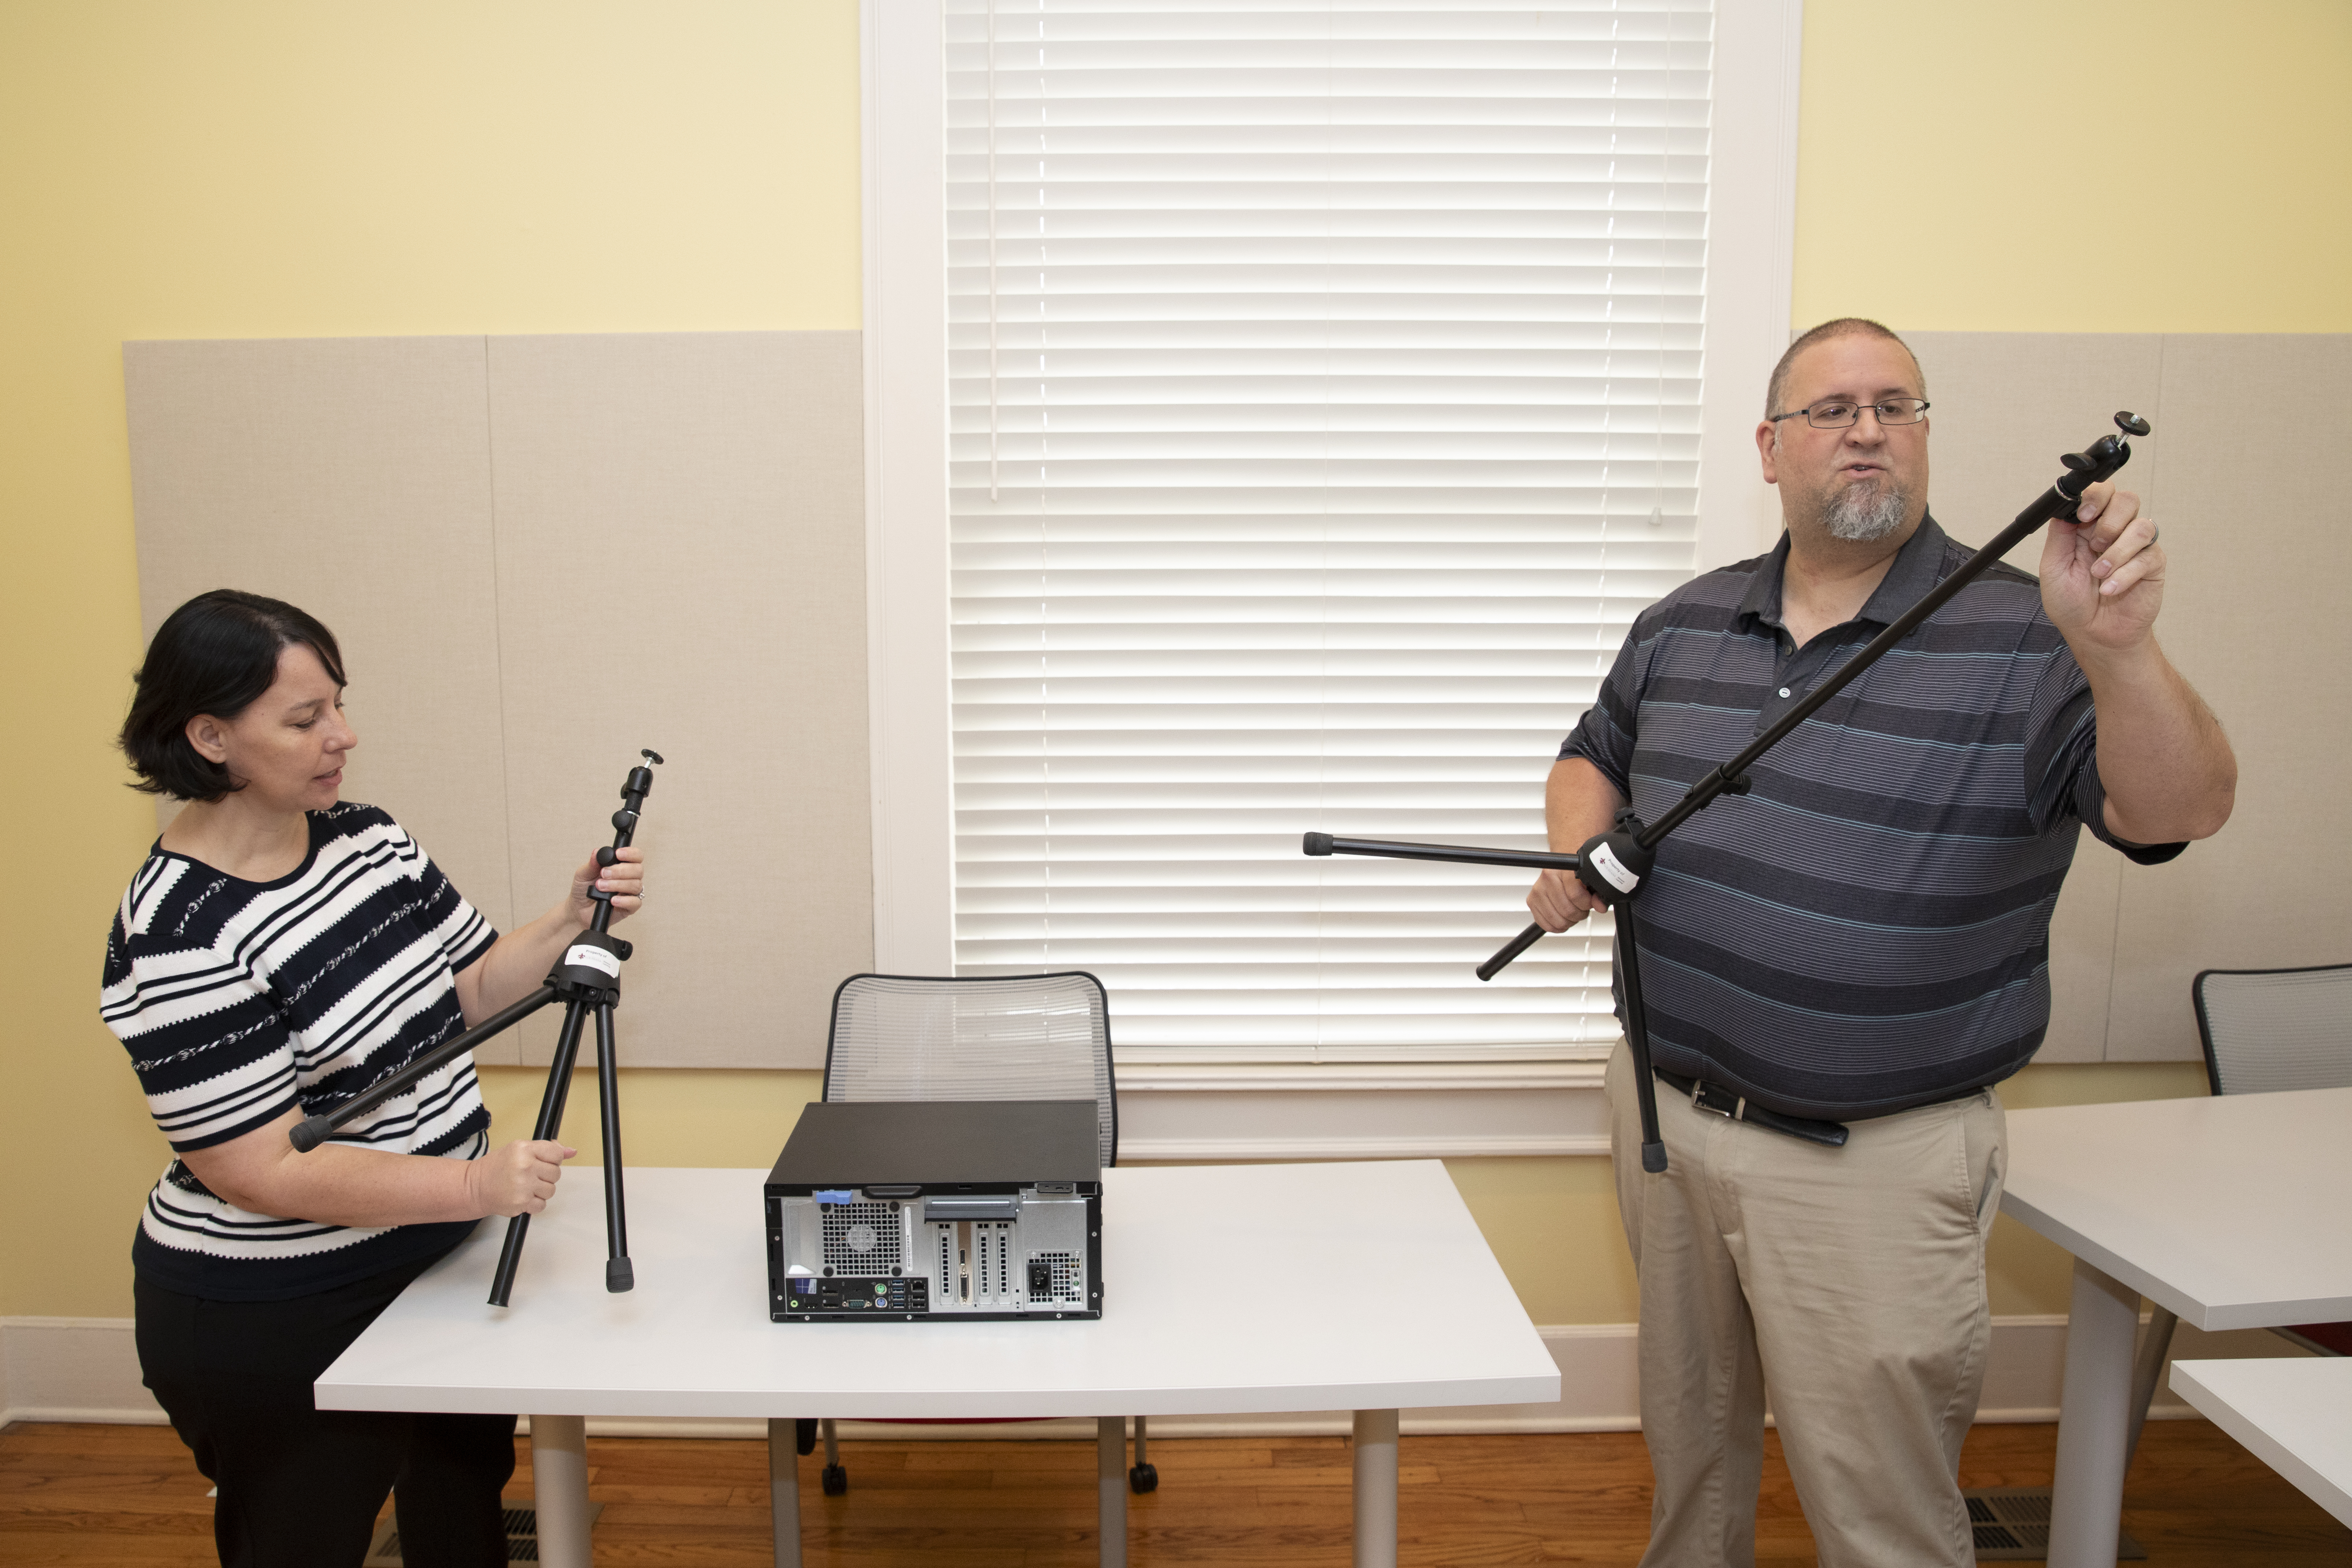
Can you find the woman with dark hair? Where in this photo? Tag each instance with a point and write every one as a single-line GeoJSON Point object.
{"type": "Point", "coordinates": [278, 951]}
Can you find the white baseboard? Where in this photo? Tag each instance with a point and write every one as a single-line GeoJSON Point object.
{"type": "Point", "coordinates": [72, 1369]}
{"type": "Point", "coordinates": [86, 1370]}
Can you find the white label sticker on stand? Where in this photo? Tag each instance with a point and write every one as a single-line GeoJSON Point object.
{"type": "Point", "coordinates": [588, 957]}
{"type": "Point", "coordinates": [1613, 869]}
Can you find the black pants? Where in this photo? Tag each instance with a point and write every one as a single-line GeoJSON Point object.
{"type": "Point", "coordinates": [300, 1487]}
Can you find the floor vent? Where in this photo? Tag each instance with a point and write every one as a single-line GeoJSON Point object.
{"type": "Point", "coordinates": [2012, 1525]}
{"type": "Point", "coordinates": [522, 1537]}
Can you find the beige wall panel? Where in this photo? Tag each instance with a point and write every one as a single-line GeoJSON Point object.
{"type": "Point", "coordinates": [2006, 405]}
{"type": "Point", "coordinates": [350, 477]}
{"type": "Point", "coordinates": [681, 565]}
{"type": "Point", "coordinates": [2254, 615]}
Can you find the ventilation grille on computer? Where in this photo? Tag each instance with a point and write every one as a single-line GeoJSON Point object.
{"type": "Point", "coordinates": [861, 1239]}
{"type": "Point", "coordinates": [1069, 1278]}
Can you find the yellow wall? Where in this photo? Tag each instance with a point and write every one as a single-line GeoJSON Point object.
{"type": "Point", "coordinates": [263, 168]}
{"type": "Point", "coordinates": [282, 168]}
{"type": "Point", "coordinates": [2076, 165]}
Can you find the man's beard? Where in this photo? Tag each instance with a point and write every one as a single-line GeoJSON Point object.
{"type": "Point", "coordinates": [1862, 513]}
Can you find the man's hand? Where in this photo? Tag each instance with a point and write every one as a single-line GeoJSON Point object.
{"type": "Point", "coordinates": [2102, 573]}
{"type": "Point", "coordinates": [1578, 802]}
{"type": "Point", "coordinates": [517, 1179]}
{"type": "Point", "coordinates": [1559, 901]}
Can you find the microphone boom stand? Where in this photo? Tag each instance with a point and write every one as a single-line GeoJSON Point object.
{"type": "Point", "coordinates": [587, 978]}
{"type": "Point", "coordinates": [1614, 864]}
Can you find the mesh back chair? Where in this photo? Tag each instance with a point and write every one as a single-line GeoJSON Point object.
{"type": "Point", "coordinates": [2269, 1029]}
{"type": "Point", "coordinates": [1019, 1036]}
{"type": "Point", "coordinates": [2264, 1030]}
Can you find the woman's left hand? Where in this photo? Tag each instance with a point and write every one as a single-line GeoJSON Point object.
{"type": "Point", "coordinates": [624, 879]}
{"type": "Point", "coordinates": [506, 973]}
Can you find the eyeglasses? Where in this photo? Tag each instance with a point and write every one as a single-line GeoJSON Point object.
{"type": "Point", "coordinates": [1838, 414]}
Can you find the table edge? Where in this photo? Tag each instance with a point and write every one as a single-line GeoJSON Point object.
{"type": "Point", "coordinates": [2185, 1380]}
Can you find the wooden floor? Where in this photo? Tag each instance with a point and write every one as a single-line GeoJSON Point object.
{"type": "Point", "coordinates": [86, 1495]}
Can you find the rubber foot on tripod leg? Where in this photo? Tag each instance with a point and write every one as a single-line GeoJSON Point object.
{"type": "Point", "coordinates": [308, 1134]}
{"type": "Point", "coordinates": [619, 1275]}
{"type": "Point", "coordinates": [1654, 1158]}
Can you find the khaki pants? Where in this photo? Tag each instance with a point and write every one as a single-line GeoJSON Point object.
{"type": "Point", "coordinates": [1851, 1282]}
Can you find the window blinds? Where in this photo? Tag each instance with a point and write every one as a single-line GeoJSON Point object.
{"type": "Point", "coordinates": [1324, 404]}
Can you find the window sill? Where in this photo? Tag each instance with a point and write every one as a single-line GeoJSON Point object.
{"type": "Point", "coordinates": [1361, 1110]}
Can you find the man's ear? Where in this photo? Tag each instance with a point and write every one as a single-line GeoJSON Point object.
{"type": "Point", "coordinates": [1768, 447]}
{"type": "Point", "coordinates": [209, 736]}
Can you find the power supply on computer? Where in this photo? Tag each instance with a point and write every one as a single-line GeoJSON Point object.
{"type": "Point", "coordinates": [925, 1209]}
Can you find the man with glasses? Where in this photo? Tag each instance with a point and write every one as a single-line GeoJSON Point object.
{"type": "Point", "coordinates": [1857, 946]}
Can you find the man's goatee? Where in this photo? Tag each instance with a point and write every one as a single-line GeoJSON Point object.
{"type": "Point", "coordinates": [1867, 512]}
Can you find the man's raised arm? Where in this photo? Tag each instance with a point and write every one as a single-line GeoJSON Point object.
{"type": "Point", "coordinates": [2167, 768]}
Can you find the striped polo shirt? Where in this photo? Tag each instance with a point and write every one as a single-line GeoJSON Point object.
{"type": "Point", "coordinates": [240, 1001]}
{"type": "Point", "coordinates": [1868, 929]}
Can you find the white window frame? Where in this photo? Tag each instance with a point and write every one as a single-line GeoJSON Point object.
{"type": "Point", "coordinates": [1248, 1110]}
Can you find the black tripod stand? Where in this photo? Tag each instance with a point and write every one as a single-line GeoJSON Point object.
{"type": "Point", "coordinates": [587, 978]}
{"type": "Point", "coordinates": [1614, 864]}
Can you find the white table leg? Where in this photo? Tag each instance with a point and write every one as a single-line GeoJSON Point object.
{"type": "Point", "coordinates": [559, 1485]}
{"type": "Point", "coordinates": [2086, 1500]}
{"type": "Point", "coordinates": [785, 1491]}
{"type": "Point", "coordinates": [1376, 1488]}
{"type": "Point", "coordinates": [1110, 1465]}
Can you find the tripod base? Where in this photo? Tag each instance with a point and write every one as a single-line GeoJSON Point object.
{"type": "Point", "coordinates": [1654, 1157]}
{"type": "Point", "coordinates": [619, 1275]}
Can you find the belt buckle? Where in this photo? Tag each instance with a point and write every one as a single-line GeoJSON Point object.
{"type": "Point", "coordinates": [1700, 1088]}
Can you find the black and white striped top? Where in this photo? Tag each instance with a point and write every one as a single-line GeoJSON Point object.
{"type": "Point", "coordinates": [1869, 928]}
{"type": "Point", "coordinates": [238, 1001]}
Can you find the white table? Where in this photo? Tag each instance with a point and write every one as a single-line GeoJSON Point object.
{"type": "Point", "coordinates": [2296, 1413]}
{"type": "Point", "coordinates": [2226, 1211]}
{"type": "Point", "coordinates": [1227, 1289]}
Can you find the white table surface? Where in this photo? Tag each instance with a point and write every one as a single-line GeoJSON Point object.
{"type": "Point", "coordinates": [1227, 1288]}
{"type": "Point", "coordinates": [2295, 1413]}
{"type": "Point", "coordinates": [2221, 1209]}
{"type": "Point", "coordinates": [2225, 1210]}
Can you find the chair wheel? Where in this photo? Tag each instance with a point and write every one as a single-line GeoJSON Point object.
{"type": "Point", "coordinates": [804, 1437]}
{"type": "Point", "coordinates": [834, 1480]}
{"type": "Point", "coordinates": [1143, 1478]}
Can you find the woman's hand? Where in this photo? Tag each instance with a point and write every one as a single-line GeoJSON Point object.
{"type": "Point", "coordinates": [521, 958]}
{"type": "Point", "coordinates": [517, 1179]}
{"type": "Point", "coordinates": [346, 1183]}
{"type": "Point", "coordinates": [624, 879]}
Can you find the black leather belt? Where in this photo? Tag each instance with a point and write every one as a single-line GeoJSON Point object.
{"type": "Point", "coordinates": [1729, 1103]}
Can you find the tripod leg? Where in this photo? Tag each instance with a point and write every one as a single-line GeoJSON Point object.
{"type": "Point", "coordinates": [1637, 1037]}
{"type": "Point", "coordinates": [618, 1274]}
{"type": "Point", "coordinates": [550, 1122]}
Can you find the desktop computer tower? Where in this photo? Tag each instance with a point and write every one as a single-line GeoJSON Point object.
{"type": "Point", "coordinates": [909, 1210]}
